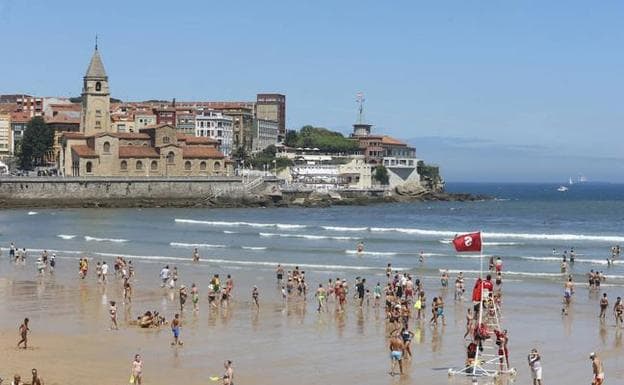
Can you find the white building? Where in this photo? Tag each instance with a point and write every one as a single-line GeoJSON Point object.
{"type": "Point", "coordinates": [6, 143]}
{"type": "Point", "coordinates": [354, 174]}
{"type": "Point", "coordinates": [215, 125]}
{"type": "Point", "coordinates": [401, 169]}
{"type": "Point", "coordinates": [264, 134]}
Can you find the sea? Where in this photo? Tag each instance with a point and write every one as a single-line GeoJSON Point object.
{"type": "Point", "coordinates": [522, 224]}
{"type": "Point", "coordinates": [528, 225]}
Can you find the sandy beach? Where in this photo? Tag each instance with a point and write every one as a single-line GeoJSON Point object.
{"type": "Point", "coordinates": [70, 342]}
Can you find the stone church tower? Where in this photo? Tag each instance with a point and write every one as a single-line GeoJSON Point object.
{"type": "Point", "coordinates": [95, 115]}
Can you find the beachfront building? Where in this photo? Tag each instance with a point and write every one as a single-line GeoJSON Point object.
{"type": "Point", "coordinates": [265, 133]}
{"type": "Point", "coordinates": [353, 173]}
{"type": "Point", "coordinates": [98, 149]}
{"type": "Point", "coordinates": [6, 141]}
{"type": "Point", "coordinates": [213, 124]}
{"type": "Point", "coordinates": [272, 107]}
{"type": "Point", "coordinates": [19, 122]}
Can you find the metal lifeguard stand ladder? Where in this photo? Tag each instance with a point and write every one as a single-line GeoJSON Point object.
{"type": "Point", "coordinates": [486, 363]}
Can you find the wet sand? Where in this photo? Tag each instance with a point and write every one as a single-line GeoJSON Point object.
{"type": "Point", "coordinates": [281, 344]}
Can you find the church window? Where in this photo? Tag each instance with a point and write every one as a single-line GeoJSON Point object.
{"type": "Point", "coordinates": [170, 157]}
{"type": "Point", "coordinates": [202, 166]}
{"type": "Point", "coordinates": [187, 165]}
{"type": "Point", "coordinates": [217, 166]}
{"type": "Point", "coordinates": [89, 167]}
{"type": "Point", "coordinates": [139, 165]}
{"type": "Point", "coordinates": [154, 165]}
{"type": "Point", "coordinates": [123, 165]}
{"type": "Point", "coordinates": [98, 86]}
{"type": "Point", "coordinates": [106, 147]}
{"type": "Point", "coordinates": [165, 139]}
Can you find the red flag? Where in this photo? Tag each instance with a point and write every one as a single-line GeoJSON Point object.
{"type": "Point", "coordinates": [467, 242]}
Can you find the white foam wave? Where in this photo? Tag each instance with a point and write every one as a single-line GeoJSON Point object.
{"type": "Point", "coordinates": [253, 247]}
{"type": "Point", "coordinates": [448, 241]}
{"type": "Point", "coordinates": [579, 260]}
{"type": "Point", "coordinates": [200, 245]}
{"type": "Point", "coordinates": [518, 273]}
{"type": "Point", "coordinates": [338, 228]}
{"type": "Point", "coordinates": [66, 236]}
{"type": "Point", "coordinates": [237, 224]}
{"type": "Point", "coordinates": [308, 236]}
{"type": "Point", "coordinates": [32, 213]}
{"type": "Point", "coordinates": [96, 239]}
{"type": "Point", "coordinates": [486, 235]}
{"type": "Point", "coordinates": [230, 232]}
{"type": "Point", "coordinates": [381, 253]}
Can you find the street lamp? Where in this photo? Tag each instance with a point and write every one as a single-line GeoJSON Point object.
{"type": "Point", "coordinates": [275, 167]}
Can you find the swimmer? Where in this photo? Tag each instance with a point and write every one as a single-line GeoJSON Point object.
{"type": "Point", "coordinates": [113, 315]}
{"type": "Point", "coordinates": [254, 297]}
{"type": "Point", "coordinates": [360, 247]}
{"type": "Point", "coordinates": [137, 370]}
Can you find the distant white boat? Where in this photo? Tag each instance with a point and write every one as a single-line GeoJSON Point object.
{"type": "Point", "coordinates": [570, 181]}
{"type": "Point", "coordinates": [582, 179]}
{"type": "Point", "coordinates": [562, 189]}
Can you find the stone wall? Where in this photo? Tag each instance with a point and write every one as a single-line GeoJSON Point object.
{"type": "Point", "coordinates": [56, 188]}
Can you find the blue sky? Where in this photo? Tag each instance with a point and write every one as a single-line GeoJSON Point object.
{"type": "Point", "coordinates": [489, 90]}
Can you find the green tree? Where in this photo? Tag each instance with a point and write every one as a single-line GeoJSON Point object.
{"type": "Point", "coordinates": [381, 175]}
{"type": "Point", "coordinates": [37, 141]}
{"type": "Point", "coordinates": [291, 138]}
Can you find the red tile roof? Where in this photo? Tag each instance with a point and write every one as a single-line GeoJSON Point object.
{"type": "Point", "coordinates": [201, 152]}
{"type": "Point", "coordinates": [390, 140]}
{"type": "Point", "coordinates": [21, 117]}
{"type": "Point", "coordinates": [84, 151]}
{"type": "Point", "coordinates": [62, 118]}
{"type": "Point", "coordinates": [195, 139]}
{"type": "Point", "coordinates": [125, 135]}
{"type": "Point", "coordinates": [137, 152]}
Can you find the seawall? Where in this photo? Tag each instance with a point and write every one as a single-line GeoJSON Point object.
{"type": "Point", "coordinates": [119, 192]}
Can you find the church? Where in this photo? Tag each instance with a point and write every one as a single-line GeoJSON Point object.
{"type": "Point", "coordinates": [98, 150]}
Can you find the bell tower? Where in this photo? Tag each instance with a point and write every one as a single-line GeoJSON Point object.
{"type": "Point", "coordinates": [95, 114]}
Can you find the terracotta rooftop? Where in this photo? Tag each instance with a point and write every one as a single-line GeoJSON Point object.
{"type": "Point", "coordinates": [125, 135]}
{"type": "Point", "coordinates": [62, 118]}
{"type": "Point", "coordinates": [84, 151]}
{"type": "Point", "coordinates": [195, 139]}
{"type": "Point", "coordinates": [390, 140]}
{"type": "Point", "coordinates": [137, 152]}
{"type": "Point", "coordinates": [21, 117]}
{"type": "Point", "coordinates": [201, 153]}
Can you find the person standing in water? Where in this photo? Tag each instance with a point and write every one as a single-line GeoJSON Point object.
{"type": "Point", "coordinates": [23, 330]}
{"type": "Point", "coordinates": [113, 315]}
{"type": "Point", "coordinates": [536, 366]}
{"type": "Point", "coordinates": [228, 376]}
{"type": "Point", "coordinates": [36, 380]}
{"type": "Point", "coordinates": [175, 329]}
{"type": "Point", "coordinates": [195, 255]}
{"type": "Point", "coordinates": [137, 370]}
{"type": "Point", "coordinates": [597, 369]}
{"type": "Point", "coordinates": [604, 304]}
{"type": "Point", "coordinates": [195, 297]}
{"type": "Point", "coordinates": [320, 297]}
{"type": "Point", "coordinates": [183, 296]}
{"type": "Point", "coordinates": [397, 347]}
{"type": "Point", "coordinates": [254, 297]}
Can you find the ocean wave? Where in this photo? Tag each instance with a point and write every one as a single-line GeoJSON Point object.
{"type": "Point", "coordinates": [308, 236]}
{"type": "Point", "coordinates": [338, 228]}
{"type": "Point", "coordinates": [32, 213]}
{"type": "Point", "coordinates": [413, 231]}
{"type": "Point", "coordinates": [253, 247]}
{"type": "Point", "coordinates": [229, 232]}
{"type": "Point", "coordinates": [200, 245]}
{"type": "Point", "coordinates": [96, 239]}
{"type": "Point", "coordinates": [449, 241]}
{"type": "Point", "coordinates": [517, 273]}
{"type": "Point", "coordinates": [66, 236]}
{"type": "Point", "coordinates": [579, 260]}
{"type": "Point", "coordinates": [237, 224]}
{"type": "Point", "coordinates": [380, 253]}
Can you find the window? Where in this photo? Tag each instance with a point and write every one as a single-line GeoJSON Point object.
{"type": "Point", "coordinates": [165, 139]}
{"type": "Point", "coordinates": [187, 165]}
{"type": "Point", "coordinates": [154, 165]}
{"type": "Point", "coordinates": [98, 113]}
{"type": "Point", "coordinates": [139, 165]}
{"type": "Point", "coordinates": [170, 157]}
{"type": "Point", "coordinates": [98, 86]}
{"type": "Point", "coordinates": [123, 165]}
{"type": "Point", "coordinates": [89, 167]}
{"type": "Point", "coordinates": [98, 124]}
{"type": "Point", "coordinates": [202, 166]}
{"type": "Point", "coordinates": [217, 166]}
{"type": "Point", "coordinates": [106, 147]}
